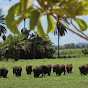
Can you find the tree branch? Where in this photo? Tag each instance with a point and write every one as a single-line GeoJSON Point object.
{"type": "Point", "coordinates": [86, 38]}
{"type": "Point", "coordinates": [79, 30]}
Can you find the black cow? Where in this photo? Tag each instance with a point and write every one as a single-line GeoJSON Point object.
{"type": "Point", "coordinates": [83, 69]}
{"type": "Point", "coordinates": [37, 71]}
{"type": "Point", "coordinates": [3, 71]}
{"type": "Point", "coordinates": [69, 68]}
{"type": "Point", "coordinates": [29, 69]}
{"type": "Point", "coordinates": [17, 70]}
{"type": "Point", "coordinates": [59, 68]}
{"type": "Point", "coordinates": [46, 69]}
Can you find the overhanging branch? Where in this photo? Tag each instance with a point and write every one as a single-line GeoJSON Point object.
{"type": "Point", "coordinates": [86, 38]}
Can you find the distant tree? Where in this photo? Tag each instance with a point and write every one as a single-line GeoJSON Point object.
{"type": "Point", "coordinates": [66, 46]}
{"type": "Point", "coordinates": [77, 46]}
{"type": "Point", "coordinates": [71, 46]}
{"type": "Point", "coordinates": [2, 28]}
{"type": "Point", "coordinates": [60, 31]}
{"type": "Point", "coordinates": [40, 48]}
{"type": "Point", "coordinates": [83, 46]}
{"type": "Point", "coordinates": [25, 30]}
{"type": "Point", "coordinates": [16, 47]}
{"type": "Point", "coordinates": [87, 46]}
{"type": "Point", "coordinates": [84, 51]}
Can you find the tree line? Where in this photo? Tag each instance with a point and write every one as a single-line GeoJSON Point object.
{"type": "Point", "coordinates": [21, 46]}
{"type": "Point", "coordinates": [72, 46]}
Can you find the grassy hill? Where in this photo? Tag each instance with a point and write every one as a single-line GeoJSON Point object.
{"type": "Point", "coordinates": [73, 80]}
{"type": "Point", "coordinates": [69, 52]}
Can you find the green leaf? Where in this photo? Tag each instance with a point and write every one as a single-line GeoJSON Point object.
{"type": "Point", "coordinates": [25, 4]}
{"type": "Point", "coordinates": [74, 8]}
{"type": "Point", "coordinates": [58, 12]}
{"type": "Point", "coordinates": [41, 32]}
{"type": "Point", "coordinates": [55, 1]}
{"type": "Point", "coordinates": [51, 24]}
{"type": "Point", "coordinates": [49, 4]}
{"type": "Point", "coordinates": [26, 15]}
{"type": "Point", "coordinates": [10, 19]}
{"type": "Point", "coordinates": [34, 18]}
{"type": "Point", "coordinates": [85, 12]}
{"type": "Point", "coordinates": [41, 4]}
{"type": "Point", "coordinates": [81, 24]}
{"type": "Point", "coordinates": [29, 3]}
{"type": "Point", "coordinates": [80, 7]}
{"type": "Point", "coordinates": [12, 24]}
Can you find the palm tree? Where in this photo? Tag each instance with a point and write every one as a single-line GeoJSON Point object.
{"type": "Point", "coordinates": [2, 28]}
{"type": "Point", "coordinates": [60, 31]}
{"type": "Point", "coordinates": [14, 46]}
{"type": "Point", "coordinates": [25, 30]}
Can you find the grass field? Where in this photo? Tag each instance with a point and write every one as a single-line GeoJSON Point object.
{"type": "Point", "coordinates": [73, 80]}
{"type": "Point", "coordinates": [69, 52]}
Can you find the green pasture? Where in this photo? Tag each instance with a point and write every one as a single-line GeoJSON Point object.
{"type": "Point", "coordinates": [69, 52]}
{"type": "Point", "coordinates": [73, 80]}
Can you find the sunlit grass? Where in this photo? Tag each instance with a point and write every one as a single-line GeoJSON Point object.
{"type": "Point", "coordinates": [73, 80]}
{"type": "Point", "coordinates": [69, 52]}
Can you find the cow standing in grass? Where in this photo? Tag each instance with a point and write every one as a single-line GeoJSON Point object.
{"type": "Point", "coordinates": [83, 69]}
{"type": "Point", "coordinates": [3, 71]}
{"type": "Point", "coordinates": [59, 68]}
{"type": "Point", "coordinates": [55, 67]}
{"type": "Point", "coordinates": [29, 69]}
{"type": "Point", "coordinates": [46, 69]}
{"type": "Point", "coordinates": [69, 68]}
{"type": "Point", "coordinates": [17, 70]}
{"type": "Point", "coordinates": [37, 71]}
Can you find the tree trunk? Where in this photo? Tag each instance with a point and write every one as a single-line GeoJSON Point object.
{"type": "Point", "coordinates": [24, 23]}
{"type": "Point", "coordinates": [58, 43]}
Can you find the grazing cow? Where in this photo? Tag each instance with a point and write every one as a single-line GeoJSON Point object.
{"type": "Point", "coordinates": [3, 71]}
{"type": "Point", "coordinates": [17, 70]}
{"type": "Point", "coordinates": [59, 68]}
{"type": "Point", "coordinates": [83, 69]}
{"type": "Point", "coordinates": [55, 68]}
{"type": "Point", "coordinates": [37, 71]}
{"type": "Point", "coordinates": [69, 68]}
{"type": "Point", "coordinates": [46, 69]}
{"type": "Point", "coordinates": [29, 69]}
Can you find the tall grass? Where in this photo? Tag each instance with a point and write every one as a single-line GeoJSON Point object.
{"type": "Point", "coordinates": [73, 80]}
{"type": "Point", "coordinates": [69, 52]}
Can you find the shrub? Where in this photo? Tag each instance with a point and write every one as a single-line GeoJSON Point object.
{"type": "Point", "coordinates": [40, 48]}
{"type": "Point", "coordinates": [85, 51]}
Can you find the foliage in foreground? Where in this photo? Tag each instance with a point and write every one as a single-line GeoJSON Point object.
{"type": "Point", "coordinates": [74, 80]}
{"type": "Point", "coordinates": [67, 11]}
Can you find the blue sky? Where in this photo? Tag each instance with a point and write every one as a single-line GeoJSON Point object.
{"type": "Point", "coordinates": [68, 38]}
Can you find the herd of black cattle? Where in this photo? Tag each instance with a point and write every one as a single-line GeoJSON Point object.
{"type": "Point", "coordinates": [44, 69]}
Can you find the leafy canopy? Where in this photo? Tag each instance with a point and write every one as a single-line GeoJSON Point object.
{"type": "Point", "coordinates": [2, 23]}
{"type": "Point", "coordinates": [66, 9]}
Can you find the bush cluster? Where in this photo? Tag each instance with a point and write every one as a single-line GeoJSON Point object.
{"type": "Point", "coordinates": [26, 48]}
